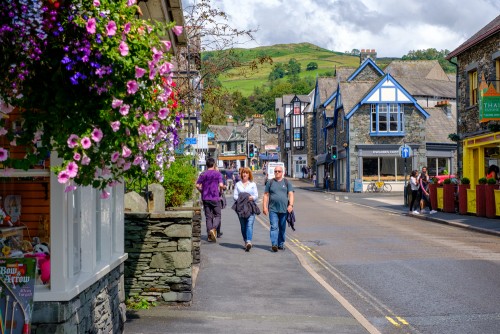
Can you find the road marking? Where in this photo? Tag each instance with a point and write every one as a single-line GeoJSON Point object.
{"type": "Point", "coordinates": [403, 321]}
{"type": "Point", "coordinates": [334, 293]}
{"type": "Point", "coordinates": [392, 321]}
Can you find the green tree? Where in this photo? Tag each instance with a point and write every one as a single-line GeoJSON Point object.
{"type": "Point", "coordinates": [277, 72]}
{"type": "Point", "coordinates": [293, 67]}
{"type": "Point", "coordinates": [312, 66]}
{"type": "Point", "coordinates": [432, 54]}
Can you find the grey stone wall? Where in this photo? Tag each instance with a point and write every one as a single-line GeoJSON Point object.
{"type": "Point", "coordinates": [98, 309]}
{"type": "Point", "coordinates": [162, 248]}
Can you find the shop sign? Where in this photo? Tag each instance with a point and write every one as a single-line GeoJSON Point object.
{"type": "Point", "coordinates": [17, 285]}
{"type": "Point", "coordinates": [489, 105]}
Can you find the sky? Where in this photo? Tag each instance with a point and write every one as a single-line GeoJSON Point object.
{"type": "Point", "coordinates": [391, 27]}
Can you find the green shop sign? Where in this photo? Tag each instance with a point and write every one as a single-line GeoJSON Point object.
{"type": "Point", "coordinates": [489, 105]}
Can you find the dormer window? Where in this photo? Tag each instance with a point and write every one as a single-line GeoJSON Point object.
{"type": "Point", "coordinates": [386, 119]}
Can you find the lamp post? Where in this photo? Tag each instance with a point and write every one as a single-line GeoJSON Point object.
{"type": "Point", "coordinates": [247, 126]}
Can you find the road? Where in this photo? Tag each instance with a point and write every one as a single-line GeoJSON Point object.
{"type": "Point", "coordinates": [402, 274]}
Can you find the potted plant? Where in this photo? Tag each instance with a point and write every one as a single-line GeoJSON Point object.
{"type": "Point", "coordinates": [448, 196]}
{"type": "Point", "coordinates": [433, 192]}
{"type": "Point", "coordinates": [462, 195]}
{"type": "Point", "coordinates": [490, 197]}
{"type": "Point", "coordinates": [480, 197]}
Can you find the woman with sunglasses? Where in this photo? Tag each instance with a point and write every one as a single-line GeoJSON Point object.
{"type": "Point", "coordinates": [245, 195]}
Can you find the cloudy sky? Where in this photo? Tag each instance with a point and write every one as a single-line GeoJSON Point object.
{"type": "Point", "coordinates": [391, 27]}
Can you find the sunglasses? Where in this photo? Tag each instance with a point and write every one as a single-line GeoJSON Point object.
{"type": "Point", "coordinates": [278, 171]}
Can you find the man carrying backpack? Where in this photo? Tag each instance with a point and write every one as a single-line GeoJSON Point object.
{"type": "Point", "coordinates": [278, 202]}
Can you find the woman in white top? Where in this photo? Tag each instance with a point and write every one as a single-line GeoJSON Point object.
{"type": "Point", "coordinates": [246, 185]}
{"type": "Point", "coordinates": [414, 191]}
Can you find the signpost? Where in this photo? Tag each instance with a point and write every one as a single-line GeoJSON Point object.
{"type": "Point", "coordinates": [405, 152]}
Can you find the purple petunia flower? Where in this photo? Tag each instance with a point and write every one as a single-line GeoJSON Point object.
{"type": "Point", "coordinates": [115, 156]}
{"type": "Point", "coordinates": [126, 152]}
{"type": "Point", "coordinates": [85, 160]}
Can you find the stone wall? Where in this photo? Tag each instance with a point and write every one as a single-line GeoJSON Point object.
{"type": "Point", "coordinates": [98, 309]}
{"type": "Point", "coordinates": [162, 248]}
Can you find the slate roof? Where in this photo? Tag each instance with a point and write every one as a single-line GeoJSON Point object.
{"type": "Point", "coordinates": [222, 132]}
{"type": "Point", "coordinates": [287, 99]}
{"type": "Point", "coordinates": [353, 92]}
{"type": "Point", "coordinates": [487, 31]}
{"type": "Point", "coordinates": [439, 126]}
{"type": "Point", "coordinates": [430, 88]}
{"type": "Point", "coordinates": [342, 73]}
{"type": "Point", "coordinates": [326, 88]}
{"type": "Point", "coordinates": [418, 69]}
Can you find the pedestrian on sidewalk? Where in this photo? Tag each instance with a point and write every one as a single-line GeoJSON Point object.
{"type": "Point", "coordinates": [426, 199]}
{"type": "Point", "coordinates": [210, 185]}
{"type": "Point", "coordinates": [414, 191]}
{"type": "Point", "coordinates": [278, 202]}
{"type": "Point", "coordinates": [245, 196]}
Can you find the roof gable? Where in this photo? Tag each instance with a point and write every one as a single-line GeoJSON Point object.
{"type": "Point", "coordinates": [368, 63]}
{"type": "Point", "coordinates": [387, 90]}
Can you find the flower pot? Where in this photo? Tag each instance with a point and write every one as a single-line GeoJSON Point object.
{"type": "Point", "coordinates": [462, 198]}
{"type": "Point", "coordinates": [433, 195]}
{"type": "Point", "coordinates": [481, 200]}
{"type": "Point", "coordinates": [490, 207]}
{"type": "Point", "coordinates": [449, 198]}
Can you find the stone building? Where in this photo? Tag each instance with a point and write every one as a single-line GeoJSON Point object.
{"type": "Point", "coordinates": [478, 107]}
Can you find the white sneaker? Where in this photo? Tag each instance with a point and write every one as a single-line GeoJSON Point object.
{"type": "Point", "coordinates": [432, 211]}
{"type": "Point", "coordinates": [416, 212]}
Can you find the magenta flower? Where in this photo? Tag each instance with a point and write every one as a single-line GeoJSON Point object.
{"type": "Point", "coordinates": [126, 27]}
{"type": "Point", "coordinates": [104, 194]}
{"type": "Point", "coordinates": [111, 28]}
{"type": "Point", "coordinates": [116, 103]}
{"type": "Point", "coordinates": [167, 44]}
{"type": "Point", "coordinates": [4, 154]}
{"type": "Point", "coordinates": [86, 143]}
{"type": "Point", "coordinates": [114, 157]}
{"type": "Point", "coordinates": [139, 72]}
{"type": "Point", "coordinates": [72, 141]}
{"type": "Point", "coordinates": [126, 152]}
{"type": "Point", "coordinates": [85, 160]}
{"type": "Point", "coordinates": [126, 166]}
{"type": "Point", "coordinates": [97, 3]}
{"type": "Point", "coordinates": [115, 126]}
{"type": "Point", "coordinates": [137, 160]}
{"type": "Point", "coordinates": [124, 109]}
{"type": "Point", "coordinates": [131, 2]}
{"type": "Point", "coordinates": [96, 135]}
{"type": "Point", "coordinates": [91, 26]}
{"type": "Point", "coordinates": [132, 87]}
{"type": "Point", "coordinates": [63, 177]}
{"type": "Point", "coordinates": [70, 188]}
{"type": "Point", "coordinates": [177, 30]}
{"type": "Point", "coordinates": [123, 48]}
{"type": "Point", "coordinates": [77, 156]}
{"type": "Point", "coordinates": [72, 169]}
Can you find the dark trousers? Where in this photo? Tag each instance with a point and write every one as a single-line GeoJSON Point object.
{"type": "Point", "coordinates": [414, 197]}
{"type": "Point", "coordinates": [213, 214]}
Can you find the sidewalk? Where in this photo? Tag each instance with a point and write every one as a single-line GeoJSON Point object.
{"type": "Point", "coordinates": [255, 292]}
{"type": "Point", "coordinates": [394, 202]}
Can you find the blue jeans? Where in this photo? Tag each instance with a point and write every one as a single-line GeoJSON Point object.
{"type": "Point", "coordinates": [278, 228]}
{"type": "Point", "coordinates": [247, 228]}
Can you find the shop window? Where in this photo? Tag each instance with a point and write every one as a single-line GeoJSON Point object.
{"type": "Point", "coordinates": [438, 166]}
{"type": "Point", "coordinates": [473, 88]}
{"type": "Point", "coordinates": [386, 119]}
{"type": "Point", "coordinates": [385, 169]}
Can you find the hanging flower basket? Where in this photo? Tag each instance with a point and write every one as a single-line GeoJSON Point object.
{"type": "Point", "coordinates": [90, 81]}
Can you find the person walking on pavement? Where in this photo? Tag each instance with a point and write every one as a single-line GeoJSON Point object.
{"type": "Point", "coordinates": [230, 179]}
{"type": "Point", "coordinates": [210, 185]}
{"type": "Point", "coordinates": [278, 202]}
{"type": "Point", "coordinates": [414, 191]}
{"type": "Point", "coordinates": [424, 188]}
{"type": "Point", "coordinates": [245, 196]}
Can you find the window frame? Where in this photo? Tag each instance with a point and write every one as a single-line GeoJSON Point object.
{"type": "Point", "coordinates": [473, 87]}
{"type": "Point", "coordinates": [387, 110]}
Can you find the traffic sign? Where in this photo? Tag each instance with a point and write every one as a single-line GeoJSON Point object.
{"type": "Point", "coordinates": [405, 151]}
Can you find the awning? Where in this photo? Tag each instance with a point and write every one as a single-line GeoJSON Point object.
{"type": "Point", "coordinates": [232, 157]}
{"type": "Point", "coordinates": [269, 157]}
{"type": "Point", "coordinates": [324, 158]}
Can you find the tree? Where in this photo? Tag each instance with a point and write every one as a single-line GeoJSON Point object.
{"type": "Point", "coordinates": [293, 67]}
{"type": "Point", "coordinates": [312, 66]}
{"type": "Point", "coordinates": [432, 54]}
{"type": "Point", "coordinates": [277, 72]}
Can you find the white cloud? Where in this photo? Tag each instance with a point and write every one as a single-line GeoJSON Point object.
{"type": "Point", "coordinates": [392, 27]}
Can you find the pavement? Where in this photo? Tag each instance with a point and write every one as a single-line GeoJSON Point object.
{"type": "Point", "coordinates": [265, 292]}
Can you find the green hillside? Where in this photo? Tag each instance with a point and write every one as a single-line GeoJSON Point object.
{"type": "Point", "coordinates": [304, 53]}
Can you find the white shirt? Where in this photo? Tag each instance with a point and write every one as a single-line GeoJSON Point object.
{"type": "Point", "coordinates": [250, 188]}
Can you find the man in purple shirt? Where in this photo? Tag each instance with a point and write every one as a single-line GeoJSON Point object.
{"type": "Point", "coordinates": [210, 185]}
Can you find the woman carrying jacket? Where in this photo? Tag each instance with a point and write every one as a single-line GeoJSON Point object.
{"type": "Point", "coordinates": [414, 191]}
{"type": "Point", "coordinates": [245, 193]}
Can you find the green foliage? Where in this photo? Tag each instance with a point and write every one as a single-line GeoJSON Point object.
{"type": "Point", "coordinates": [465, 180]}
{"type": "Point", "coordinates": [278, 72]}
{"type": "Point", "coordinates": [447, 181]}
{"type": "Point", "coordinates": [293, 67]}
{"type": "Point", "coordinates": [491, 180]}
{"type": "Point", "coordinates": [312, 66]}
{"type": "Point", "coordinates": [454, 137]}
{"type": "Point", "coordinates": [435, 180]}
{"type": "Point", "coordinates": [482, 180]}
{"type": "Point", "coordinates": [179, 181]}
{"type": "Point", "coordinates": [432, 54]}
{"type": "Point", "coordinates": [139, 303]}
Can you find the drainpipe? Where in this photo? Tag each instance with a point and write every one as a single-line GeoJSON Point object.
{"type": "Point", "coordinates": [348, 167]}
{"type": "Point", "coordinates": [457, 103]}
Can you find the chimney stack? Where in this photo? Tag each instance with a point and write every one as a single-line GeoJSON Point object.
{"type": "Point", "coordinates": [367, 53]}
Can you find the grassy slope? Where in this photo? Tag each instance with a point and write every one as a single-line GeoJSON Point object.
{"type": "Point", "coordinates": [304, 53]}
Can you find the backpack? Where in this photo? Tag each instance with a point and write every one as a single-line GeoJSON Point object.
{"type": "Point", "coordinates": [272, 180]}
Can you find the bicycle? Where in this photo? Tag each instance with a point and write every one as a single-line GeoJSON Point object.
{"type": "Point", "coordinates": [379, 186]}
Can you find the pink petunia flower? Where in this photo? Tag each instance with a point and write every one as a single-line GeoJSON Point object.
{"type": "Point", "coordinates": [137, 160]}
{"type": "Point", "coordinates": [115, 126]}
{"type": "Point", "coordinates": [97, 3]}
{"type": "Point", "coordinates": [104, 194]}
{"type": "Point", "coordinates": [132, 87]}
{"type": "Point", "coordinates": [91, 26]}
{"type": "Point", "coordinates": [116, 103]}
{"type": "Point", "coordinates": [4, 154]}
{"type": "Point", "coordinates": [177, 30]}
{"type": "Point", "coordinates": [72, 169]}
{"type": "Point", "coordinates": [63, 177]}
{"type": "Point", "coordinates": [126, 27]}
{"type": "Point", "coordinates": [96, 135]}
{"type": "Point", "coordinates": [86, 143]}
{"type": "Point", "coordinates": [114, 157]}
{"type": "Point", "coordinates": [167, 44]}
{"type": "Point", "coordinates": [70, 188]}
{"type": "Point", "coordinates": [139, 72]}
{"type": "Point", "coordinates": [131, 2]}
{"type": "Point", "coordinates": [3, 131]}
{"type": "Point", "coordinates": [123, 48]}
{"type": "Point", "coordinates": [72, 141]}
{"type": "Point", "coordinates": [124, 109]}
{"type": "Point", "coordinates": [126, 152]}
{"type": "Point", "coordinates": [85, 160]}
{"type": "Point", "coordinates": [77, 156]}
{"type": "Point", "coordinates": [111, 28]}
{"type": "Point", "coordinates": [126, 166]}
